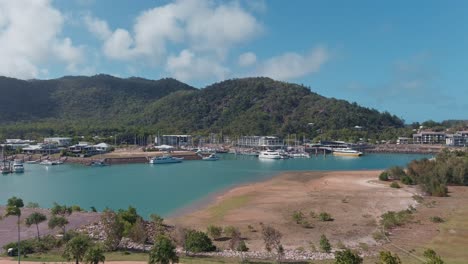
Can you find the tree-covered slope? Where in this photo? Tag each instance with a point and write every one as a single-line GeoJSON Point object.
{"type": "Point", "coordinates": [104, 103]}
{"type": "Point", "coordinates": [76, 98]}
{"type": "Point", "coordinates": [261, 106]}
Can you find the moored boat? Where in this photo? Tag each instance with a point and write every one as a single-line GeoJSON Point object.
{"type": "Point", "coordinates": [165, 159]}
{"type": "Point", "coordinates": [18, 167]}
{"type": "Point", "coordinates": [211, 157]}
{"type": "Point", "coordinates": [346, 152]}
{"type": "Point", "coordinates": [270, 154]}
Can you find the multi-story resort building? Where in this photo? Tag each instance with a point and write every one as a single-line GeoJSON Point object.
{"type": "Point", "coordinates": [429, 137]}
{"type": "Point", "coordinates": [174, 140]}
{"type": "Point", "coordinates": [260, 142]}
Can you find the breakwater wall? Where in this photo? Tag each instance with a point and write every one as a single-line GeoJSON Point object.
{"type": "Point", "coordinates": [125, 160]}
{"type": "Point", "coordinates": [405, 149]}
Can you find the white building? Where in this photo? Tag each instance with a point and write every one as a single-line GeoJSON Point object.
{"type": "Point", "coordinates": [59, 141]}
{"type": "Point", "coordinates": [403, 140]}
{"type": "Point", "coordinates": [429, 137]}
{"type": "Point", "coordinates": [260, 142]}
{"type": "Point", "coordinates": [174, 140]}
{"type": "Point", "coordinates": [456, 140]}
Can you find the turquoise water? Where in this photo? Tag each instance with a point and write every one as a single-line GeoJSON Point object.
{"type": "Point", "coordinates": [166, 188]}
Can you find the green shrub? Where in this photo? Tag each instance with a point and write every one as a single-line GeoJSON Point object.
{"type": "Point", "coordinates": [197, 241]}
{"type": "Point", "coordinates": [347, 257]}
{"type": "Point", "coordinates": [383, 176]}
{"type": "Point", "coordinates": [324, 217]}
{"type": "Point", "coordinates": [214, 231]}
{"type": "Point", "coordinates": [407, 180]}
{"type": "Point", "coordinates": [392, 219]}
{"type": "Point", "coordinates": [378, 235]}
{"type": "Point", "coordinates": [432, 257]}
{"type": "Point", "coordinates": [395, 185]}
{"type": "Point", "coordinates": [386, 257]}
{"type": "Point", "coordinates": [396, 173]}
{"type": "Point", "coordinates": [230, 231]}
{"type": "Point", "coordinates": [325, 245]}
{"type": "Point", "coordinates": [437, 219]}
{"type": "Point", "coordinates": [242, 246]}
{"type": "Point", "coordinates": [298, 217]}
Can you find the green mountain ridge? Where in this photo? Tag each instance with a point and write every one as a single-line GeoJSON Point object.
{"type": "Point", "coordinates": [103, 104]}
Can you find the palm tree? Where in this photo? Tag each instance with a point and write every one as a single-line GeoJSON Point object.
{"type": "Point", "coordinates": [58, 221]}
{"type": "Point", "coordinates": [95, 255]}
{"type": "Point", "coordinates": [76, 248]}
{"type": "Point", "coordinates": [35, 219]}
{"type": "Point", "coordinates": [13, 208]}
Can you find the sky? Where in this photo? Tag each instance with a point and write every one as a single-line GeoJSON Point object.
{"type": "Point", "coordinates": [406, 57]}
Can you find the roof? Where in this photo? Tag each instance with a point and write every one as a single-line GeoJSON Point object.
{"type": "Point", "coordinates": [164, 147]}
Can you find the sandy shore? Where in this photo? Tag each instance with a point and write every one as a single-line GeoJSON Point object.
{"type": "Point", "coordinates": [355, 199]}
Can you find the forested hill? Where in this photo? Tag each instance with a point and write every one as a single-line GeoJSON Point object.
{"type": "Point", "coordinates": [79, 97]}
{"type": "Point", "coordinates": [103, 103]}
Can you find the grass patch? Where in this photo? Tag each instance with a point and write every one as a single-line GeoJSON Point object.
{"type": "Point", "coordinates": [452, 239]}
{"type": "Point", "coordinates": [220, 210]}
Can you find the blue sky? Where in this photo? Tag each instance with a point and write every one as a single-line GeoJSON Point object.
{"type": "Point", "coordinates": [405, 57]}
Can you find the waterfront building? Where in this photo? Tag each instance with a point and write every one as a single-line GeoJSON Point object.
{"type": "Point", "coordinates": [403, 140]}
{"type": "Point", "coordinates": [429, 137]}
{"type": "Point", "coordinates": [174, 140]}
{"type": "Point", "coordinates": [463, 133]}
{"type": "Point", "coordinates": [260, 142]}
{"type": "Point", "coordinates": [59, 141]}
{"type": "Point", "coordinates": [456, 140]}
{"type": "Point", "coordinates": [18, 143]}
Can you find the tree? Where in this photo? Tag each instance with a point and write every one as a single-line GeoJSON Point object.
{"type": "Point", "coordinates": [272, 240]}
{"type": "Point", "coordinates": [163, 251]}
{"type": "Point", "coordinates": [347, 257]}
{"type": "Point", "coordinates": [325, 244]}
{"type": "Point", "coordinates": [113, 228]}
{"type": "Point", "coordinates": [432, 257]}
{"type": "Point", "coordinates": [58, 221]}
{"type": "Point", "coordinates": [35, 219]}
{"type": "Point", "coordinates": [197, 241]}
{"type": "Point", "coordinates": [61, 210]}
{"type": "Point", "coordinates": [158, 224]}
{"type": "Point", "coordinates": [386, 257]}
{"type": "Point", "coordinates": [138, 232]}
{"type": "Point", "coordinates": [76, 248]}
{"type": "Point", "coordinates": [94, 255]}
{"type": "Point", "coordinates": [214, 231]}
{"type": "Point", "coordinates": [13, 208]}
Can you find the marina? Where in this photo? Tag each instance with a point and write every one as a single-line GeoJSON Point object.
{"type": "Point", "coordinates": [148, 187]}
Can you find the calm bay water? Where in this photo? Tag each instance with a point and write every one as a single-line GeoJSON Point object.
{"type": "Point", "coordinates": [165, 188]}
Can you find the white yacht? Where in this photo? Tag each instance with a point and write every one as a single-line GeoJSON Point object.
{"type": "Point", "coordinates": [165, 159]}
{"type": "Point", "coordinates": [270, 154]}
{"type": "Point", "coordinates": [48, 162]}
{"type": "Point", "coordinates": [18, 167]}
{"type": "Point", "coordinates": [211, 157]}
{"type": "Point", "coordinates": [346, 152]}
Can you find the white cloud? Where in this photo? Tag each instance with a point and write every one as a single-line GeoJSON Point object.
{"type": "Point", "coordinates": [247, 59]}
{"type": "Point", "coordinates": [29, 37]}
{"type": "Point", "coordinates": [198, 25]}
{"type": "Point", "coordinates": [97, 27]}
{"type": "Point", "coordinates": [292, 65]}
{"type": "Point", "coordinates": [186, 66]}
